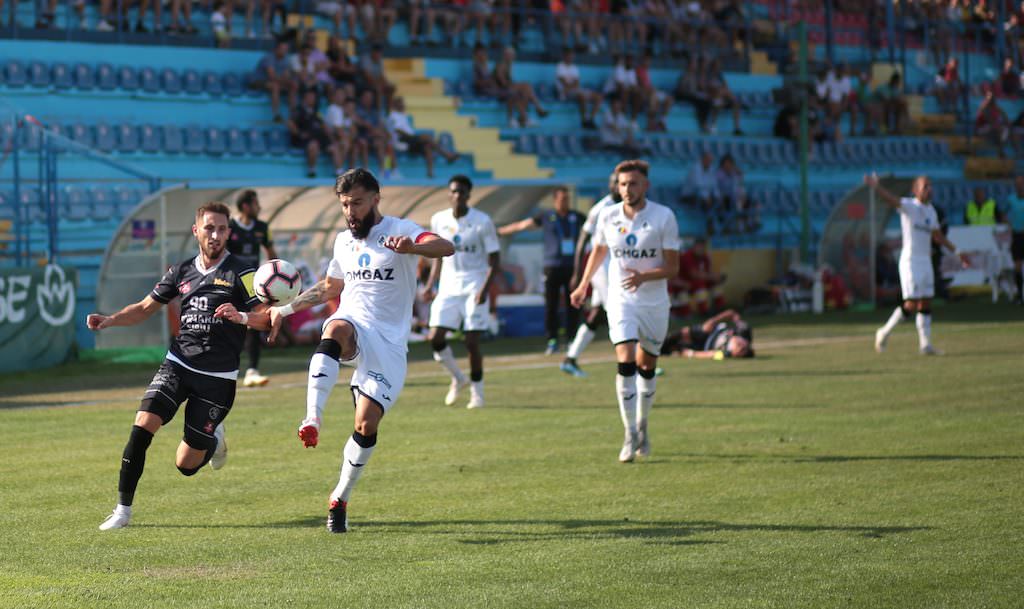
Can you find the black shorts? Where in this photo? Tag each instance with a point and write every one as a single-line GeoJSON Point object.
{"type": "Point", "coordinates": [413, 143]}
{"type": "Point", "coordinates": [209, 400]}
{"type": "Point", "coordinates": [1017, 245]}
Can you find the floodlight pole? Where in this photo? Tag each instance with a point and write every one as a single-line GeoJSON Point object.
{"type": "Point", "coordinates": [805, 217]}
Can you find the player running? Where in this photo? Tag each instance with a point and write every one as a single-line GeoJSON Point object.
{"type": "Point", "coordinates": [465, 282]}
{"type": "Point", "coordinates": [920, 226]}
{"type": "Point", "coordinates": [373, 273]}
{"type": "Point", "coordinates": [642, 239]}
{"type": "Point", "coordinates": [201, 365]}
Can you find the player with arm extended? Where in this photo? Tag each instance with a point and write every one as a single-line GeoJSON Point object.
{"type": "Point", "coordinates": [201, 365]}
{"type": "Point", "coordinates": [373, 274]}
{"type": "Point", "coordinates": [248, 235]}
{"type": "Point", "coordinates": [721, 336]}
{"type": "Point", "coordinates": [595, 316]}
{"type": "Point", "coordinates": [465, 281]}
{"type": "Point", "coordinates": [642, 238]}
{"type": "Point", "coordinates": [920, 226]}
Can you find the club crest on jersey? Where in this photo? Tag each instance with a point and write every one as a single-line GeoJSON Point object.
{"type": "Point", "coordinates": [185, 288]}
{"type": "Point", "coordinates": [381, 240]}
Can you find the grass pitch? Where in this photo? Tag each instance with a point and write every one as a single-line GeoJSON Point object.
{"type": "Point", "coordinates": [818, 475]}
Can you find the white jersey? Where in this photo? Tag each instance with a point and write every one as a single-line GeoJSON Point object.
{"type": "Point", "coordinates": [917, 221]}
{"type": "Point", "coordinates": [380, 284]}
{"type": "Point", "coordinates": [595, 211]}
{"type": "Point", "coordinates": [475, 239]}
{"type": "Point", "coordinates": [638, 244]}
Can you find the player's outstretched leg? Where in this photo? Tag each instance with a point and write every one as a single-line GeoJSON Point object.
{"type": "Point", "coordinates": [323, 374]}
{"type": "Point", "coordinates": [882, 334]}
{"type": "Point", "coordinates": [133, 462]}
{"type": "Point", "coordinates": [625, 389]}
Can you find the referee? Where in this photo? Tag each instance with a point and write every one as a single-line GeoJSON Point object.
{"type": "Point", "coordinates": [248, 235]}
{"type": "Point", "coordinates": [561, 233]}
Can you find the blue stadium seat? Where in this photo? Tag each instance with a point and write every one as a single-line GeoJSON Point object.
{"type": "Point", "coordinates": [128, 78]}
{"type": "Point", "coordinates": [106, 140]}
{"type": "Point", "coordinates": [558, 146]}
{"type": "Point", "coordinates": [216, 143]}
{"type": "Point", "coordinates": [191, 82]}
{"type": "Point", "coordinates": [106, 78]}
{"type": "Point", "coordinates": [14, 74]}
{"type": "Point", "coordinates": [233, 86]}
{"type": "Point", "coordinates": [30, 137]}
{"type": "Point", "coordinates": [81, 134]}
{"type": "Point", "coordinates": [194, 140]}
{"type": "Point", "coordinates": [544, 90]}
{"type": "Point", "coordinates": [32, 205]}
{"type": "Point", "coordinates": [171, 81]}
{"type": "Point", "coordinates": [38, 74]}
{"type": "Point", "coordinates": [6, 133]}
{"type": "Point", "coordinates": [62, 76]}
{"type": "Point", "coordinates": [79, 203]}
{"type": "Point", "coordinates": [236, 141]}
{"type": "Point", "coordinates": [149, 139]}
{"type": "Point", "coordinates": [174, 141]}
{"type": "Point", "coordinates": [103, 206]}
{"type": "Point", "coordinates": [127, 138]}
{"type": "Point", "coordinates": [148, 80]}
{"type": "Point", "coordinates": [6, 207]}
{"type": "Point", "coordinates": [212, 84]}
{"type": "Point", "coordinates": [257, 141]}
{"type": "Point", "coordinates": [277, 141]}
{"type": "Point", "coordinates": [663, 147]}
{"type": "Point", "coordinates": [525, 144]}
{"type": "Point", "coordinates": [543, 144]}
{"type": "Point", "coordinates": [575, 144]}
{"type": "Point", "coordinates": [84, 78]}
{"type": "Point", "coordinates": [126, 199]}
{"type": "Point", "coordinates": [446, 141]}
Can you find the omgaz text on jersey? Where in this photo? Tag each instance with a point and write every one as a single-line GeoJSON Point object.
{"type": "Point", "coordinates": [639, 245]}
{"type": "Point", "coordinates": [380, 284]}
{"type": "Point", "coordinates": [475, 239]}
{"type": "Point", "coordinates": [917, 221]}
{"type": "Point", "coordinates": [205, 343]}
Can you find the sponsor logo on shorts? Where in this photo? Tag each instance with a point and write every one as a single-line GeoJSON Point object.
{"type": "Point", "coordinates": [214, 413]}
{"type": "Point", "coordinates": [380, 378]}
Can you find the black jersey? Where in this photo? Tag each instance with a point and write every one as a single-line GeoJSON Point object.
{"type": "Point", "coordinates": [245, 243]}
{"type": "Point", "coordinates": [206, 343]}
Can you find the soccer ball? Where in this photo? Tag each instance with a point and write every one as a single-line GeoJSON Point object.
{"type": "Point", "coordinates": [277, 282]}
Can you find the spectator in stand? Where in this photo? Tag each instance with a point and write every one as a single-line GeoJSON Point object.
{"type": "Point", "coordinates": [895, 115]}
{"type": "Point", "coordinates": [568, 87]}
{"type": "Point", "coordinates": [713, 85]}
{"type": "Point", "coordinates": [656, 103]}
{"type": "Point", "coordinates": [273, 74]}
{"type": "Point", "coordinates": [840, 89]}
{"type": "Point", "coordinates": [181, 17]}
{"type": "Point", "coordinates": [309, 66]}
{"type": "Point", "coordinates": [622, 84]}
{"type": "Point", "coordinates": [696, 284]}
{"type": "Point", "coordinates": [372, 68]}
{"type": "Point", "coordinates": [864, 103]}
{"type": "Point", "coordinates": [617, 130]}
{"type": "Point", "coordinates": [1009, 80]}
{"type": "Point", "coordinates": [341, 130]}
{"type": "Point", "coordinates": [701, 188]}
{"type": "Point", "coordinates": [948, 86]}
{"type": "Point", "coordinates": [688, 90]}
{"type": "Point", "coordinates": [309, 133]}
{"type": "Point", "coordinates": [428, 11]}
{"type": "Point", "coordinates": [520, 93]}
{"type": "Point", "coordinates": [405, 139]}
{"type": "Point", "coordinates": [378, 19]}
{"type": "Point", "coordinates": [338, 11]}
{"type": "Point", "coordinates": [981, 210]}
{"type": "Point", "coordinates": [340, 68]}
{"type": "Point", "coordinates": [735, 200]}
{"type": "Point", "coordinates": [992, 123]}
{"type": "Point", "coordinates": [219, 25]}
{"type": "Point", "coordinates": [372, 133]}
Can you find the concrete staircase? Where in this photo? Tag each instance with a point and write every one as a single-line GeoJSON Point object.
{"type": "Point", "coordinates": [430, 108]}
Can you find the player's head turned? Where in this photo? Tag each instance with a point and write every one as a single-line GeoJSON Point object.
{"type": "Point", "coordinates": [211, 228]}
{"type": "Point", "coordinates": [740, 347]}
{"type": "Point", "coordinates": [248, 204]}
{"type": "Point", "coordinates": [632, 181]}
{"type": "Point", "coordinates": [922, 189]}
{"type": "Point", "coordinates": [561, 200]}
{"type": "Point", "coordinates": [359, 193]}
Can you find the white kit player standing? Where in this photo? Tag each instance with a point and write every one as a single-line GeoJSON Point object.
{"type": "Point", "coordinates": [920, 226]}
{"type": "Point", "coordinates": [373, 272]}
{"type": "Point", "coordinates": [598, 284]}
{"type": "Point", "coordinates": [642, 239]}
{"type": "Point", "coordinates": [462, 299]}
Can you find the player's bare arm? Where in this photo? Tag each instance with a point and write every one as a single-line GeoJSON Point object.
{"type": "Point", "coordinates": [493, 265]}
{"type": "Point", "coordinates": [577, 258]}
{"type": "Point", "coordinates": [669, 269]}
{"type": "Point", "coordinates": [435, 275]}
{"type": "Point", "coordinates": [726, 315]}
{"type": "Point", "coordinates": [944, 241]}
{"type": "Point", "coordinates": [326, 289]}
{"type": "Point", "coordinates": [597, 256]}
{"type": "Point", "coordinates": [257, 319]}
{"type": "Point", "coordinates": [128, 316]}
{"type": "Point", "coordinates": [873, 183]}
{"type": "Point", "coordinates": [428, 246]}
{"type": "Point", "coordinates": [517, 227]}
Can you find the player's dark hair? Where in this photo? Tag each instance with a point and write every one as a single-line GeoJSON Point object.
{"type": "Point", "coordinates": [356, 177]}
{"type": "Point", "coordinates": [213, 207]}
{"type": "Point", "coordinates": [463, 180]}
{"type": "Point", "coordinates": [559, 189]}
{"type": "Point", "coordinates": [633, 165]}
{"type": "Point", "coordinates": [247, 197]}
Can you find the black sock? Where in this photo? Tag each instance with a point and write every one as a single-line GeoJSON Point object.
{"type": "Point", "coordinates": [133, 461]}
{"type": "Point", "coordinates": [476, 375]}
{"type": "Point", "coordinates": [1018, 278]}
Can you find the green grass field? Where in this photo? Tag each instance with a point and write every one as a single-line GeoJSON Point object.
{"type": "Point", "coordinates": [818, 475]}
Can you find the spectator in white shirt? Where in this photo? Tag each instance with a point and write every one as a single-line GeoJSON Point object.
{"type": "Point", "coordinates": [567, 84]}
{"type": "Point", "coordinates": [405, 139]}
{"type": "Point", "coordinates": [838, 89]}
{"type": "Point", "coordinates": [341, 130]}
{"type": "Point", "coordinates": [701, 187]}
{"type": "Point", "coordinates": [622, 84]}
{"type": "Point", "coordinates": [618, 130]}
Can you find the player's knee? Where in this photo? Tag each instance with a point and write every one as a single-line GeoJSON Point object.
{"type": "Point", "coordinates": [437, 342]}
{"type": "Point", "coordinates": [330, 347]}
{"type": "Point", "coordinates": [364, 440]}
{"type": "Point", "coordinates": [647, 373]}
{"type": "Point", "coordinates": [627, 368]}
{"type": "Point", "coordinates": [188, 471]}
{"type": "Point", "coordinates": [367, 428]}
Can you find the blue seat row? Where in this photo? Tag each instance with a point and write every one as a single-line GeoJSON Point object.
{"type": "Point", "coordinates": [75, 203]}
{"type": "Point", "coordinates": [105, 77]}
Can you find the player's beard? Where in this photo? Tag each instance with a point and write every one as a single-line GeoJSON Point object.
{"type": "Point", "coordinates": [633, 202]}
{"type": "Point", "coordinates": [212, 252]}
{"type": "Point", "coordinates": [361, 227]}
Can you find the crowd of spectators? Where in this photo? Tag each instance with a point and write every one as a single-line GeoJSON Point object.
{"type": "Point", "coordinates": [719, 192]}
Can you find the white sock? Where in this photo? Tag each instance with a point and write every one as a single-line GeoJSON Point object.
{"type": "Point", "coordinates": [477, 389]}
{"type": "Point", "coordinates": [583, 337]}
{"type": "Point", "coordinates": [924, 329]}
{"type": "Point", "coordinates": [625, 390]}
{"type": "Point", "coordinates": [122, 509]}
{"type": "Point", "coordinates": [353, 462]}
{"type": "Point", "coordinates": [446, 359]}
{"type": "Point", "coordinates": [894, 320]}
{"type": "Point", "coordinates": [323, 374]}
{"type": "Point", "coordinates": [645, 389]}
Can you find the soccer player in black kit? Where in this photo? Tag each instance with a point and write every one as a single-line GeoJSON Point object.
{"type": "Point", "coordinates": [248, 235]}
{"type": "Point", "coordinates": [202, 363]}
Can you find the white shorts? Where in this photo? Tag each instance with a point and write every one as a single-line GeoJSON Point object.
{"type": "Point", "coordinates": [599, 288]}
{"type": "Point", "coordinates": [917, 279]}
{"type": "Point", "coordinates": [647, 325]}
{"type": "Point", "coordinates": [380, 366]}
{"type": "Point", "coordinates": [459, 311]}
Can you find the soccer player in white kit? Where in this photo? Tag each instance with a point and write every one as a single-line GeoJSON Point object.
{"type": "Point", "coordinates": [920, 226]}
{"type": "Point", "coordinates": [373, 272]}
{"type": "Point", "coordinates": [465, 282]}
{"type": "Point", "coordinates": [642, 238]}
{"type": "Point", "coordinates": [598, 284]}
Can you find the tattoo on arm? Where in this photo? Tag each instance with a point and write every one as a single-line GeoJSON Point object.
{"type": "Point", "coordinates": [312, 296]}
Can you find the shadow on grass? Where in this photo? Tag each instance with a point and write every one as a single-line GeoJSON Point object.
{"type": "Point", "coordinates": [845, 458]}
{"type": "Point", "coordinates": [734, 373]}
{"type": "Point", "coordinates": [493, 532]}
